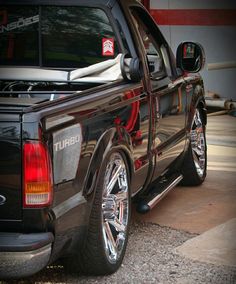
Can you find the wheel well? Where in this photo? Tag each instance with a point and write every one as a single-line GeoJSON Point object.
{"type": "Point", "coordinates": [93, 171]}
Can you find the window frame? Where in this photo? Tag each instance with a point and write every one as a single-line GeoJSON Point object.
{"type": "Point", "coordinates": [160, 43]}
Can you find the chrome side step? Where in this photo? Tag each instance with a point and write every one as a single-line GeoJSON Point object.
{"type": "Point", "coordinates": [157, 194]}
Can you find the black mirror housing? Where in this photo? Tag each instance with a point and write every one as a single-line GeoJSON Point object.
{"type": "Point", "coordinates": [131, 69]}
{"type": "Point", "coordinates": [190, 57]}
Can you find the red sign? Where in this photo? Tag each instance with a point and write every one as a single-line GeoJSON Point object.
{"type": "Point", "coordinates": [108, 47]}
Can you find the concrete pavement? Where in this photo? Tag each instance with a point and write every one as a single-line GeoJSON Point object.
{"type": "Point", "coordinates": [216, 246]}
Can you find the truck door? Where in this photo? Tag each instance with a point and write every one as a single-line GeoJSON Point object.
{"type": "Point", "coordinates": [167, 92]}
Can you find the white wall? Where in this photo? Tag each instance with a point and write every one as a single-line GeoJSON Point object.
{"type": "Point", "coordinates": [219, 42]}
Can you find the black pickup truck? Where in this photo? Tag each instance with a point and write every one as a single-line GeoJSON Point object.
{"type": "Point", "coordinates": [95, 112]}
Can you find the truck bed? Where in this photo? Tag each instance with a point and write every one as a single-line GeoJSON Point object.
{"type": "Point", "coordinates": [20, 102]}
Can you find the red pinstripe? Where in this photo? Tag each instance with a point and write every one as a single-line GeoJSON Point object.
{"type": "Point", "coordinates": [195, 17]}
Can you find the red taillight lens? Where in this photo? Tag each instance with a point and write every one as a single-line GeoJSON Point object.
{"type": "Point", "coordinates": [37, 175]}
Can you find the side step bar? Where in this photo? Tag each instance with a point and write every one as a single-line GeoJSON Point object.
{"type": "Point", "coordinates": [156, 194]}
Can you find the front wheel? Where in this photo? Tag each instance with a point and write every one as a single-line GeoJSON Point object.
{"type": "Point", "coordinates": [195, 162]}
{"type": "Point", "coordinates": [107, 236]}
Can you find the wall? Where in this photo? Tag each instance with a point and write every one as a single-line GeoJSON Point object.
{"type": "Point", "coordinates": [209, 22]}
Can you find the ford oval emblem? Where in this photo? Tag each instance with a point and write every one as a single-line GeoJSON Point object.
{"type": "Point", "coordinates": [2, 199]}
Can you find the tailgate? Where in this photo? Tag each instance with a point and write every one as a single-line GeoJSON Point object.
{"type": "Point", "coordinates": [10, 167]}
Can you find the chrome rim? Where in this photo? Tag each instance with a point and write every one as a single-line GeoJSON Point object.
{"type": "Point", "coordinates": [198, 144]}
{"type": "Point", "coordinates": [115, 207]}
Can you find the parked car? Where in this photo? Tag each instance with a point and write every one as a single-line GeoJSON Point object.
{"type": "Point", "coordinates": [95, 111]}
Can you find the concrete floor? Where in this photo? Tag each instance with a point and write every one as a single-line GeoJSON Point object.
{"type": "Point", "coordinates": [215, 246]}
{"type": "Point", "coordinates": [199, 209]}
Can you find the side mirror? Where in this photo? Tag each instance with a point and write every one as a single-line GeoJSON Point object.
{"type": "Point", "coordinates": [131, 68]}
{"type": "Point", "coordinates": [190, 57]}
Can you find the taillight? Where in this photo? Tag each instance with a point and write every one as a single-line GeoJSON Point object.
{"type": "Point", "coordinates": [37, 179]}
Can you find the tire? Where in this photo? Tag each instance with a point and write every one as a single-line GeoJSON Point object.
{"type": "Point", "coordinates": [195, 162]}
{"type": "Point", "coordinates": [107, 236]}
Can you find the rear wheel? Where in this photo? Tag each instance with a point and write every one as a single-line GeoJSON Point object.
{"type": "Point", "coordinates": [195, 162]}
{"type": "Point", "coordinates": [107, 236]}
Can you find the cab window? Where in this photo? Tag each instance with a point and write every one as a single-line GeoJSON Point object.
{"type": "Point", "coordinates": [55, 36]}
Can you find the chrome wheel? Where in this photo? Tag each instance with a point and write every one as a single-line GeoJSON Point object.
{"type": "Point", "coordinates": [198, 144]}
{"type": "Point", "coordinates": [115, 207]}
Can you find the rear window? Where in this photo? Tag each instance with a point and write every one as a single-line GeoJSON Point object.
{"type": "Point", "coordinates": [56, 37]}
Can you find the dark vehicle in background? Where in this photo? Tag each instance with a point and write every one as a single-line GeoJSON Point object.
{"type": "Point", "coordinates": [94, 112]}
